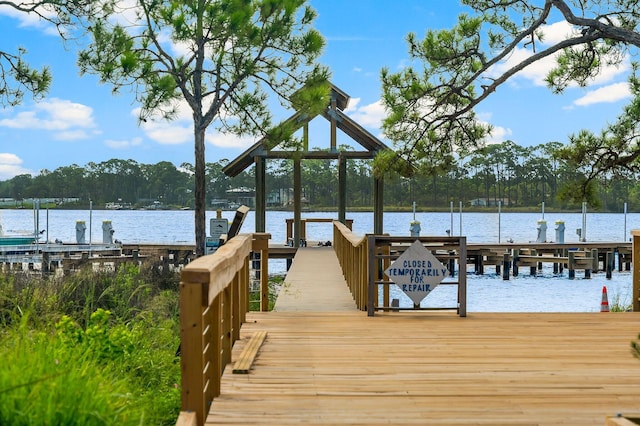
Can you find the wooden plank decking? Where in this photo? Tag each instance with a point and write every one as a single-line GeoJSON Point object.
{"type": "Point", "coordinates": [314, 283]}
{"type": "Point", "coordinates": [325, 363]}
{"type": "Point", "coordinates": [434, 368]}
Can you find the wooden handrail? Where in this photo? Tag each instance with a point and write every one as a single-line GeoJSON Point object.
{"type": "Point", "coordinates": [351, 250]}
{"type": "Point", "coordinates": [214, 300]}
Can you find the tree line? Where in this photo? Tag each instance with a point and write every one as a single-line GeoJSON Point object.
{"type": "Point", "coordinates": [516, 176]}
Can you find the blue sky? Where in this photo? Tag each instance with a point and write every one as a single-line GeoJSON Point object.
{"type": "Point", "coordinates": [80, 121]}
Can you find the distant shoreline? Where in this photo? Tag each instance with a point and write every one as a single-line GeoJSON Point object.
{"type": "Point", "coordinates": [389, 209]}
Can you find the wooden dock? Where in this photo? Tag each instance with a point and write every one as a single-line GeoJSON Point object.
{"type": "Point", "coordinates": [434, 368]}
{"type": "Point", "coordinates": [337, 366]}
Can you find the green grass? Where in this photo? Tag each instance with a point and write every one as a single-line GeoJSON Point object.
{"type": "Point", "coordinates": [275, 282]}
{"type": "Point", "coordinates": [90, 349]}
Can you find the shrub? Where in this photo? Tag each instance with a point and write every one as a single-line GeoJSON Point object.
{"type": "Point", "coordinates": [45, 381]}
{"type": "Point", "coordinates": [90, 348]}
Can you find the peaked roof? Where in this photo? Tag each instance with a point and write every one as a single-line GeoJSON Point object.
{"type": "Point", "coordinates": [343, 122]}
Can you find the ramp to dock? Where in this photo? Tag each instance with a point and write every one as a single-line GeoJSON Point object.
{"type": "Point", "coordinates": [315, 283]}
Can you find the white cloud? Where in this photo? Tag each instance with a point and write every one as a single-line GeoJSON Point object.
{"type": "Point", "coordinates": [123, 144]}
{"type": "Point", "coordinates": [174, 132]}
{"type": "Point", "coordinates": [180, 130]}
{"type": "Point", "coordinates": [557, 32]}
{"type": "Point", "coordinates": [368, 115]}
{"type": "Point", "coordinates": [168, 133]}
{"type": "Point", "coordinates": [10, 166]}
{"type": "Point", "coordinates": [30, 20]}
{"type": "Point", "coordinates": [223, 140]}
{"type": "Point", "coordinates": [127, 13]}
{"type": "Point", "coordinates": [608, 94]}
{"type": "Point", "coordinates": [352, 105]}
{"type": "Point", "coordinates": [67, 120]}
{"type": "Point", "coordinates": [498, 134]}
{"type": "Point", "coordinates": [537, 71]}
{"type": "Point", "coordinates": [71, 135]}
{"type": "Point", "coordinates": [180, 48]}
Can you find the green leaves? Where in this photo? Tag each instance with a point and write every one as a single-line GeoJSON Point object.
{"type": "Point", "coordinates": [18, 78]}
{"type": "Point", "coordinates": [430, 105]}
{"type": "Point", "coordinates": [224, 58]}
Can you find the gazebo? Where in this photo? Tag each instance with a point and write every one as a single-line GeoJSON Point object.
{"type": "Point", "coordinates": [259, 152]}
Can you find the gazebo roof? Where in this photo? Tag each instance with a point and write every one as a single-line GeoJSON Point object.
{"type": "Point", "coordinates": [343, 122]}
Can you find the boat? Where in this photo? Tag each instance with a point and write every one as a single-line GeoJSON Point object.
{"type": "Point", "coordinates": [17, 239]}
{"type": "Point", "coordinates": [9, 240]}
{"type": "Point", "coordinates": [117, 206]}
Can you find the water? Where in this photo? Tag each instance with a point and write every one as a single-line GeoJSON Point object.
{"type": "Point", "coordinates": [487, 293]}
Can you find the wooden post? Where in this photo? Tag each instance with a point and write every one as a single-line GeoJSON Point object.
{"type": "Point", "coordinates": [505, 266]}
{"type": "Point", "coordinates": [289, 230]}
{"type": "Point", "coordinates": [372, 273]}
{"type": "Point", "coordinates": [261, 193]}
{"type": "Point", "coordinates": [342, 187]}
{"type": "Point", "coordinates": [192, 361]}
{"type": "Point", "coordinates": [452, 264]}
{"type": "Point", "coordinates": [378, 204]}
{"type": "Point", "coordinates": [386, 262]}
{"type": "Point", "coordinates": [261, 244]}
{"type": "Point", "coordinates": [237, 306]}
{"type": "Point", "coordinates": [532, 269]}
{"type": "Point", "coordinates": [516, 253]}
{"type": "Point", "coordinates": [635, 248]}
{"type": "Point", "coordinates": [297, 196]}
{"type": "Point", "coordinates": [462, 279]}
{"type": "Point", "coordinates": [572, 265]}
{"type": "Point", "coordinates": [610, 261]}
{"type": "Point", "coordinates": [595, 263]}
{"type": "Point", "coordinates": [227, 326]}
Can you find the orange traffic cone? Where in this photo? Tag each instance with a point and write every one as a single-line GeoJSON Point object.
{"type": "Point", "coordinates": [604, 305]}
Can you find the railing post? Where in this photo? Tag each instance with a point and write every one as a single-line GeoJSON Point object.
{"type": "Point", "coordinates": [261, 244]}
{"type": "Point", "coordinates": [635, 259]}
{"type": "Point", "coordinates": [373, 273]}
{"type": "Point", "coordinates": [192, 299]}
{"type": "Point", "coordinates": [227, 326]}
{"type": "Point", "coordinates": [237, 306]}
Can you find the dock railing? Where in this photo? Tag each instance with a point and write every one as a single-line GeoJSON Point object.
{"type": "Point", "coordinates": [384, 250]}
{"type": "Point", "coordinates": [364, 259]}
{"type": "Point", "coordinates": [351, 250]}
{"type": "Point", "coordinates": [214, 300]}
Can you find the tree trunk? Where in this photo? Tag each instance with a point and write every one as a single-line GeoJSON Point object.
{"type": "Point", "coordinates": [200, 190]}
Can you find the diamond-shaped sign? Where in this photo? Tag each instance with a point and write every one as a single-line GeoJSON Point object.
{"type": "Point", "coordinates": [417, 272]}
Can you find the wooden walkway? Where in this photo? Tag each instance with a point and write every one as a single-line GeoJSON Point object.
{"type": "Point", "coordinates": [325, 363]}
{"type": "Point", "coordinates": [434, 368]}
{"type": "Point", "coordinates": [314, 283]}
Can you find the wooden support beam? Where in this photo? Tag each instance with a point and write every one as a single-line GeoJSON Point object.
{"type": "Point", "coordinates": [378, 204]}
{"type": "Point", "coordinates": [342, 189]}
{"type": "Point", "coordinates": [297, 202]}
{"type": "Point", "coordinates": [261, 194]}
